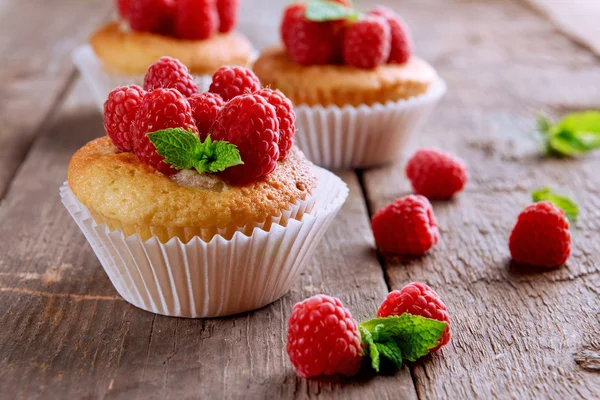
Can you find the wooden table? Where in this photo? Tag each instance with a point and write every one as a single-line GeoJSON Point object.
{"type": "Point", "coordinates": [65, 333]}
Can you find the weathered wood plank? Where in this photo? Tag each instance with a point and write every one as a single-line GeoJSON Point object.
{"type": "Point", "coordinates": [66, 333]}
{"type": "Point", "coordinates": [36, 40]}
{"type": "Point", "coordinates": [516, 333]}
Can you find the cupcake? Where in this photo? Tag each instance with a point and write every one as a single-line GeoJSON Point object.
{"type": "Point", "coordinates": [199, 205]}
{"type": "Point", "coordinates": [359, 91]}
{"type": "Point", "coordinates": [199, 33]}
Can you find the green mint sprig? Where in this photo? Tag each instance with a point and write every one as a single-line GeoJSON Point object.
{"type": "Point", "coordinates": [184, 150]}
{"type": "Point", "coordinates": [323, 10]}
{"type": "Point", "coordinates": [575, 134]}
{"type": "Point", "coordinates": [397, 338]}
{"type": "Point", "coordinates": [564, 203]}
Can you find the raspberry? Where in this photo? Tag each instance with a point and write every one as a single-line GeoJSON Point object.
{"type": "Point", "coordinates": [151, 15]}
{"type": "Point", "coordinates": [405, 227]}
{"type": "Point", "coordinates": [160, 109]}
{"type": "Point", "coordinates": [323, 338]}
{"type": "Point", "coordinates": [402, 43]}
{"type": "Point", "coordinates": [436, 174]}
{"type": "Point", "coordinates": [250, 123]}
{"type": "Point", "coordinates": [123, 7]}
{"type": "Point", "coordinates": [308, 42]}
{"type": "Point", "coordinates": [229, 82]}
{"type": "Point", "coordinates": [367, 42]}
{"type": "Point", "coordinates": [227, 14]}
{"type": "Point", "coordinates": [167, 73]}
{"type": "Point", "coordinates": [417, 299]}
{"type": "Point", "coordinates": [196, 19]}
{"type": "Point", "coordinates": [205, 110]}
{"type": "Point", "coordinates": [285, 116]}
{"type": "Point", "coordinates": [541, 236]}
{"type": "Point", "coordinates": [119, 112]}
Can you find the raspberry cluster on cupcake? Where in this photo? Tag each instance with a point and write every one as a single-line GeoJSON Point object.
{"type": "Point", "coordinates": [336, 61]}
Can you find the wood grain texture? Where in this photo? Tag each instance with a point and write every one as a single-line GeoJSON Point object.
{"type": "Point", "coordinates": [36, 40]}
{"type": "Point", "coordinates": [517, 333]}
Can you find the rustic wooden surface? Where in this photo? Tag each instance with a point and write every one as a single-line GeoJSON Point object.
{"type": "Point", "coordinates": [516, 334]}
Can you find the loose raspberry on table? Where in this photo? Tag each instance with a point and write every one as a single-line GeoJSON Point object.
{"type": "Point", "coordinates": [151, 15]}
{"type": "Point", "coordinates": [123, 8]}
{"type": "Point", "coordinates": [323, 338]}
{"type": "Point", "coordinates": [405, 227]}
{"type": "Point", "coordinates": [436, 174]}
{"type": "Point", "coordinates": [228, 10]}
{"type": "Point", "coordinates": [196, 19]}
{"type": "Point", "coordinates": [120, 109]}
{"type": "Point", "coordinates": [285, 116]}
{"type": "Point", "coordinates": [417, 299]}
{"type": "Point", "coordinates": [367, 42]}
{"type": "Point", "coordinates": [309, 42]}
{"type": "Point", "coordinates": [170, 73]}
{"type": "Point", "coordinates": [160, 109]}
{"type": "Point", "coordinates": [402, 45]}
{"type": "Point", "coordinates": [249, 122]}
{"type": "Point", "coordinates": [541, 236]}
{"type": "Point", "coordinates": [229, 82]}
{"type": "Point", "coordinates": [205, 110]}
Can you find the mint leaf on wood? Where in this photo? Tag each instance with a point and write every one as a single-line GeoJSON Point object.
{"type": "Point", "coordinates": [575, 134]}
{"type": "Point", "coordinates": [564, 203]}
{"type": "Point", "coordinates": [323, 10]}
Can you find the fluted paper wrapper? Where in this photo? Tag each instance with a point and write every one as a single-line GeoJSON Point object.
{"type": "Point", "coordinates": [216, 278]}
{"type": "Point", "coordinates": [364, 136]}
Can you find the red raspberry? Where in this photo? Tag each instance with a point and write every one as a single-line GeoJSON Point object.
{"type": "Point", "coordinates": [541, 236]}
{"type": "Point", "coordinates": [308, 42]}
{"type": "Point", "coordinates": [119, 112]}
{"type": "Point", "coordinates": [160, 109]}
{"type": "Point", "coordinates": [167, 73]}
{"type": "Point", "coordinates": [250, 123]}
{"type": "Point", "coordinates": [229, 82]}
{"type": "Point", "coordinates": [196, 19]}
{"type": "Point", "coordinates": [228, 10]}
{"type": "Point", "coordinates": [205, 110]}
{"type": "Point", "coordinates": [123, 7]}
{"type": "Point", "coordinates": [367, 42]}
{"type": "Point", "coordinates": [417, 299]}
{"type": "Point", "coordinates": [406, 227]}
{"type": "Point", "coordinates": [151, 15]}
{"type": "Point", "coordinates": [323, 338]}
{"type": "Point", "coordinates": [436, 174]}
{"type": "Point", "coordinates": [402, 43]}
{"type": "Point", "coordinates": [286, 117]}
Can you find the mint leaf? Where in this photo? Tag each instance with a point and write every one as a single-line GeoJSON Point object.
{"type": "Point", "coordinates": [391, 351]}
{"type": "Point", "coordinates": [587, 121]}
{"type": "Point", "coordinates": [414, 335]}
{"type": "Point", "coordinates": [370, 346]}
{"type": "Point", "coordinates": [575, 134]}
{"type": "Point", "coordinates": [183, 150]}
{"type": "Point", "coordinates": [566, 204]}
{"type": "Point", "coordinates": [323, 10]}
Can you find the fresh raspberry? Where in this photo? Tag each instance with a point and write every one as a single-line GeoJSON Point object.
{"type": "Point", "coordinates": [309, 42]}
{"type": "Point", "coordinates": [160, 109]}
{"type": "Point", "coordinates": [417, 299]}
{"type": "Point", "coordinates": [541, 236]}
{"type": "Point", "coordinates": [119, 112]}
{"type": "Point", "coordinates": [205, 110]}
{"type": "Point", "coordinates": [123, 7]}
{"type": "Point", "coordinates": [323, 338]}
{"type": "Point", "coordinates": [228, 10]}
{"type": "Point", "coordinates": [402, 43]}
{"type": "Point", "coordinates": [229, 82]}
{"type": "Point", "coordinates": [406, 227]}
{"type": "Point", "coordinates": [436, 174]}
{"type": "Point", "coordinates": [367, 42]}
{"type": "Point", "coordinates": [170, 73]}
{"type": "Point", "coordinates": [249, 122]}
{"type": "Point", "coordinates": [151, 15]}
{"type": "Point", "coordinates": [286, 117]}
{"type": "Point", "coordinates": [196, 19]}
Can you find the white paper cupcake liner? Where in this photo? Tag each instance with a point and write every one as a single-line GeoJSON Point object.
{"type": "Point", "coordinates": [218, 278]}
{"type": "Point", "coordinates": [364, 136]}
{"type": "Point", "coordinates": [101, 82]}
